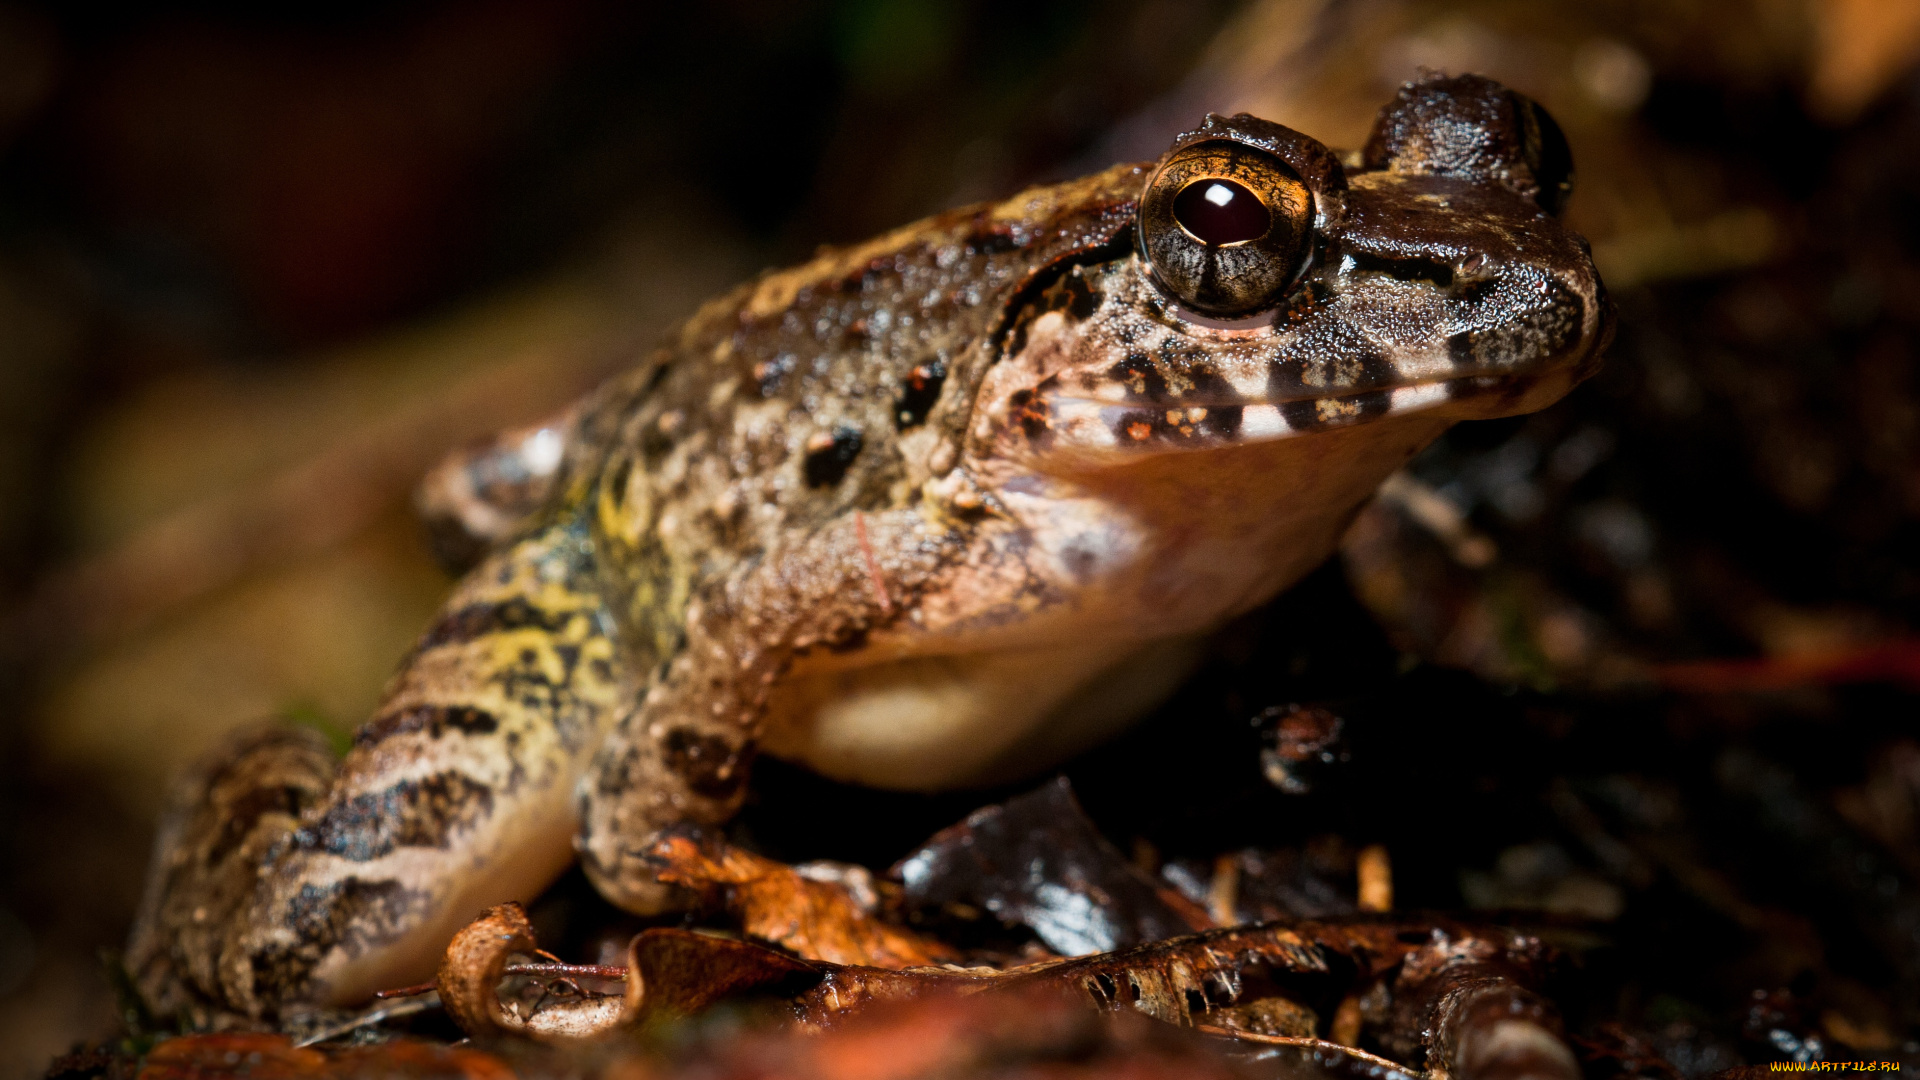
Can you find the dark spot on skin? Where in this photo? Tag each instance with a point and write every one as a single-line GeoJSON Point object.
{"type": "Point", "coordinates": [479, 620]}
{"type": "Point", "coordinates": [1141, 377]}
{"type": "Point", "coordinates": [710, 765]}
{"type": "Point", "coordinates": [617, 483]}
{"type": "Point", "coordinates": [1139, 425]}
{"type": "Point", "coordinates": [435, 720]}
{"type": "Point", "coordinates": [1300, 415]}
{"type": "Point", "coordinates": [1375, 368]}
{"type": "Point", "coordinates": [654, 380]}
{"type": "Point", "coordinates": [827, 463]}
{"type": "Point", "coordinates": [1460, 349]}
{"type": "Point", "coordinates": [655, 444]}
{"type": "Point", "coordinates": [1177, 424]}
{"type": "Point", "coordinates": [351, 913]}
{"type": "Point", "coordinates": [1305, 415]}
{"type": "Point", "coordinates": [1372, 403]}
{"type": "Point", "coordinates": [1222, 421]}
{"type": "Point", "coordinates": [1017, 339]}
{"type": "Point", "coordinates": [1029, 410]}
{"type": "Point", "coordinates": [412, 813]}
{"type": "Point", "coordinates": [1205, 386]}
{"type": "Point", "coordinates": [919, 394]}
{"type": "Point", "coordinates": [1078, 297]}
{"type": "Point", "coordinates": [1080, 563]}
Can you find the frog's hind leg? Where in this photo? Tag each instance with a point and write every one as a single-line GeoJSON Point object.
{"type": "Point", "coordinates": [283, 879]}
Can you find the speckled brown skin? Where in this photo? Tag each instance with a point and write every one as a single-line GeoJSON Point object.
{"type": "Point", "coordinates": [938, 508]}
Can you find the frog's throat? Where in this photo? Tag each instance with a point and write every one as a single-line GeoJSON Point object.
{"type": "Point", "coordinates": [941, 722]}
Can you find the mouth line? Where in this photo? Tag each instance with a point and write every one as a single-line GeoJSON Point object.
{"type": "Point", "coordinates": [1417, 391]}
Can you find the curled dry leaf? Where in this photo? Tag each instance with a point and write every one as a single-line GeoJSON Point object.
{"type": "Point", "coordinates": [826, 915]}
{"type": "Point", "coordinates": [683, 972]}
{"type": "Point", "coordinates": [469, 986]}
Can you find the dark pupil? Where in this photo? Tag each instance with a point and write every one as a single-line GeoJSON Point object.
{"type": "Point", "coordinates": [1219, 211]}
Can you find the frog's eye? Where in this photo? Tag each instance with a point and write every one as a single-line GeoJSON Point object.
{"type": "Point", "coordinates": [1225, 226]}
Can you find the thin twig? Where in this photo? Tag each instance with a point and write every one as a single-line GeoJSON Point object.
{"type": "Point", "coordinates": [590, 971]}
{"type": "Point", "coordinates": [368, 1019]}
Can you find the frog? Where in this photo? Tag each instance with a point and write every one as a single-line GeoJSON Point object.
{"type": "Point", "coordinates": [931, 511]}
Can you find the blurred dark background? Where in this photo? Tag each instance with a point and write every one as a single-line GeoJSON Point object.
{"type": "Point", "coordinates": [260, 268]}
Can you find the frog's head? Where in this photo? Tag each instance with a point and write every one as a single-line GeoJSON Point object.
{"type": "Point", "coordinates": [1268, 292]}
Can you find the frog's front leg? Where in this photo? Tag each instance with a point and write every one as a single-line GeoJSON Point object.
{"type": "Point", "coordinates": [682, 753]}
{"type": "Point", "coordinates": [280, 879]}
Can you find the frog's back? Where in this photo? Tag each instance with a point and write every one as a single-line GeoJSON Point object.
{"type": "Point", "coordinates": [840, 385]}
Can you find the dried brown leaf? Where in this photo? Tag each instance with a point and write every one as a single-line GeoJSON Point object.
{"type": "Point", "coordinates": [469, 982]}
{"type": "Point", "coordinates": [816, 917]}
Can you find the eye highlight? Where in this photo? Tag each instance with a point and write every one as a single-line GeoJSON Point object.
{"type": "Point", "coordinates": [1225, 226]}
{"type": "Point", "coordinates": [1221, 212]}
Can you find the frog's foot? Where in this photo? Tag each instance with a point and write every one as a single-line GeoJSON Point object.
{"type": "Point", "coordinates": [651, 776]}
